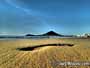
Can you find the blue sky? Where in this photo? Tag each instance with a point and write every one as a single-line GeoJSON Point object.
{"type": "Point", "coordinates": [40, 16]}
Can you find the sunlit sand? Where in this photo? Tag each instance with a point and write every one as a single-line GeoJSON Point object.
{"type": "Point", "coordinates": [43, 57]}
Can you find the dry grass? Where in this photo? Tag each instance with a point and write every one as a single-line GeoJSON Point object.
{"type": "Point", "coordinates": [44, 57]}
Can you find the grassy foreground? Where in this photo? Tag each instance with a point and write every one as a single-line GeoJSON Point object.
{"type": "Point", "coordinates": [45, 57]}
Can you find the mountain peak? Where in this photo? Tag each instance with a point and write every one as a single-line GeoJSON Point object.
{"type": "Point", "coordinates": [51, 33]}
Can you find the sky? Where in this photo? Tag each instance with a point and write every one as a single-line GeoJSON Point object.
{"type": "Point", "coordinates": [40, 16]}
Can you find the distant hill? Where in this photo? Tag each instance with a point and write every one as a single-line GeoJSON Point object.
{"type": "Point", "coordinates": [51, 33]}
{"type": "Point", "coordinates": [30, 35]}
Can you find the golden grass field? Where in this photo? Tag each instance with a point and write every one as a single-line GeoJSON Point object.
{"type": "Point", "coordinates": [45, 57]}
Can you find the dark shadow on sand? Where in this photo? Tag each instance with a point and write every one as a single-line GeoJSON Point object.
{"type": "Point", "coordinates": [40, 46]}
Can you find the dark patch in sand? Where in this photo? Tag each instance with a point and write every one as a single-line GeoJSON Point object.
{"type": "Point", "coordinates": [40, 46]}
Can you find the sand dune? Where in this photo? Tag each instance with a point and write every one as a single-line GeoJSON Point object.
{"type": "Point", "coordinates": [43, 57]}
